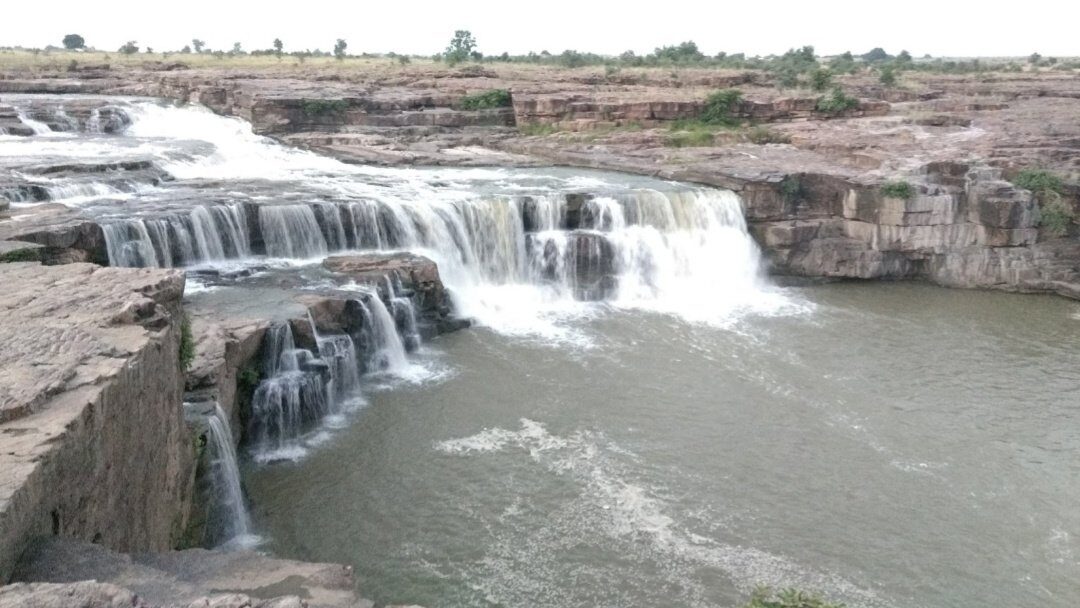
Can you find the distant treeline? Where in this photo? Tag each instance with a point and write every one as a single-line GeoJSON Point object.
{"type": "Point", "coordinates": [789, 66]}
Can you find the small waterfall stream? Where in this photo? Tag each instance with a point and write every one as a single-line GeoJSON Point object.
{"type": "Point", "coordinates": [226, 479]}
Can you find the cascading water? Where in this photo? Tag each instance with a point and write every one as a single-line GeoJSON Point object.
{"type": "Point", "coordinates": [293, 395]}
{"type": "Point", "coordinates": [236, 528]}
{"type": "Point", "coordinates": [517, 247]}
{"type": "Point", "coordinates": [387, 351]}
{"type": "Point", "coordinates": [37, 126]}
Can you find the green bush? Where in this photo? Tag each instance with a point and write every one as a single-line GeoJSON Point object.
{"type": "Point", "coordinates": [788, 598]}
{"type": "Point", "coordinates": [888, 76]}
{"type": "Point", "coordinates": [1055, 213]}
{"type": "Point", "coordinates": [898, 189]}
{"type": "Point", "coordinates": [1040, 182]}
{"type": "Point", "coordinates": [821, 80]}
{"type": "Point", "coordinates": [187, 344]}
{"type": "Point", "coordinates": [720, 106]}
{"type": "Point", "coordinates": [495, 98]}
{"type": "Point", "coordinates": [319, 107]}
{"type": "Point", "coordinates": [836, 102]}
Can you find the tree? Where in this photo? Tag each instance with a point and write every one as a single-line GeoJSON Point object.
{"type": "Point", "coordinates": [339, 48]}
{"type": "Point", "coordinates": [876, 54]}
{"type": "Point", "coordinates": [130, 48]}
{"type": "Point", "coordinates": [74, 41]}
{"type": "Point", "coordinates": [1035, 59]}
{"type": "Point", "coordinates": [278, 46]}
{"type": "Point", "coordinates": [821, 80]}
{"type": "Point", "coordinates": [461, 47]}
{"type": "Point", "coordinates": [888, 76]}
{"type": "Point", "coordinates": [236, 50]}
{"type": "Point", "coordinates": [903, 58]}
{"type": "Point", "coordinates": [186, 49]}
{"type": "Point", "coordinates": [198, 44]}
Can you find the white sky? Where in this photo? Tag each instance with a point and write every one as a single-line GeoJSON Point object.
{"type": "Point", "coordinates": [940, 28]}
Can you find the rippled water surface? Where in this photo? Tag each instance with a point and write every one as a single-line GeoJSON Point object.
{"type": "Point", "coordinates": [891, 445]}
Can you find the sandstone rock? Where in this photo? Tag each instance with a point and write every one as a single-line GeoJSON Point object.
{"type": "Point", "coordinates": [85, 594]}
{"type": "Point", "coordinates": [193, 578]}
{"type": "Point", "coordinates": [92, 440]}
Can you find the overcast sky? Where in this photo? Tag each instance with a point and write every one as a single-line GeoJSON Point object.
{"type": "Point", "coordinates": [940, 28]}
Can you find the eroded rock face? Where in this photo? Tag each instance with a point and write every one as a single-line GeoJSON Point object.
{"type": "Point", "coordinates": [92, 439]}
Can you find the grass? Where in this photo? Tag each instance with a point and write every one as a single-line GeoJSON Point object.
{"type": "Point", "coordinates": [495, 98]}
{"type": "Point", "coordinates": [763, 135]}
{"type": "Point", "coordinates": [897, 189]}
{"type": "Point", "coordinates": [187, 344]}
{"type": "Point", "coordinates": [537, 129]}
{"type": "Point", "coordinates": [693, 138]}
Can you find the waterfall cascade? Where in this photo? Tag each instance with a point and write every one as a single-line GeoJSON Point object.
{"type": "Point", "coordinates": [226, 480]}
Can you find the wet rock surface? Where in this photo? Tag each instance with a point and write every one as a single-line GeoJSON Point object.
{"type": "Point", "coordinates": [180, 579]}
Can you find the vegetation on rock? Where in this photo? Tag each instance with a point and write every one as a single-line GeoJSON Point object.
{"type": "Point", "coordinates": [791, 189]}
{"type": "Point", "coordinates": [187, 343]}
{"type": "Point", "coordinates": [1055, 213]}
{"type": "Point", "coordinates": [320, 107]}
{"type": "Point", "coordinates": [495, 98]}
{"type": "Point", "coordinates": [897, 189]}
{"type": "Point", "coordinates": [836, 102]}
{"type": "Point", "coordinates": [720, 108]}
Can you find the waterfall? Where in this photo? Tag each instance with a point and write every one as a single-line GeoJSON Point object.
{"type": "Point", "coordinates": [38, 127]}
{"type": "Point", "coordinates": [300, 388]}
{"type": "Point", "coordinates": [93, 124]}
{"type": "Point", "coordinates": [205, 234]}
{"type": "Point", "coordinates": [387, 349]}
{"type": "Point", "coordinates": [404, 314]}
{"type": "Point", "coordinates": [226, 478]}
{"type": "Point", "coordinates": [291, 231]}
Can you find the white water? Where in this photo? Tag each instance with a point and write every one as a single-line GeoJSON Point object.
{"type": "Point", "coordinates": [39, 127]}
{"type": "Point", "coordinates": [682, 250]}
{"type": "Point", "coordinates": [227, 479]}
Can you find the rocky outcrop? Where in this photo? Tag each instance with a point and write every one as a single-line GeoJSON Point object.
{"type": "Point", "coordinates": [51, 571]}
{"type": "Point", "coordinates": [410, 276]}
{"type": "Point", "coordinates": [92, 439]}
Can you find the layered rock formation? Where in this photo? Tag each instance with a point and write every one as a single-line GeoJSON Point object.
{"type": "Point", "coordinates": [92, 440]}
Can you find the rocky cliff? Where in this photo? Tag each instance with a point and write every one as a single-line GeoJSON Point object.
{"type": "Point", "coordinates": [92, 439]}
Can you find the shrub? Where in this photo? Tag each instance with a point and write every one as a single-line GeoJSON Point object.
{"type": "Point", "coordinates": [1040, 182]}
{"type": "Point", "coordinates": [836, 102]}
{"type": "Point", "coordinates": [888, 76]}
{"type": "Point", "coordinates": [898, 189]}
{"type": "Point", "coordinates": [339, 48]}
{"type": "Point", "coordinates": [130, 48]}
{"type": "Point", "coordinates": [788, 598]}
{"type": "Point", "coordinates": [187, 344]}
{"type": "Point", "coordinates": [319, 107]}
{"type": "Point", "coordinates": [1055, 213]}
{"type": "Point", "coordinates": [821, 80]}
{"type": "Point", "coordinates": [791, 189]}
{"type": "Point", "coordinates": [720, 106]}
{"type": "Point", "coordinates": [495, 98]}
